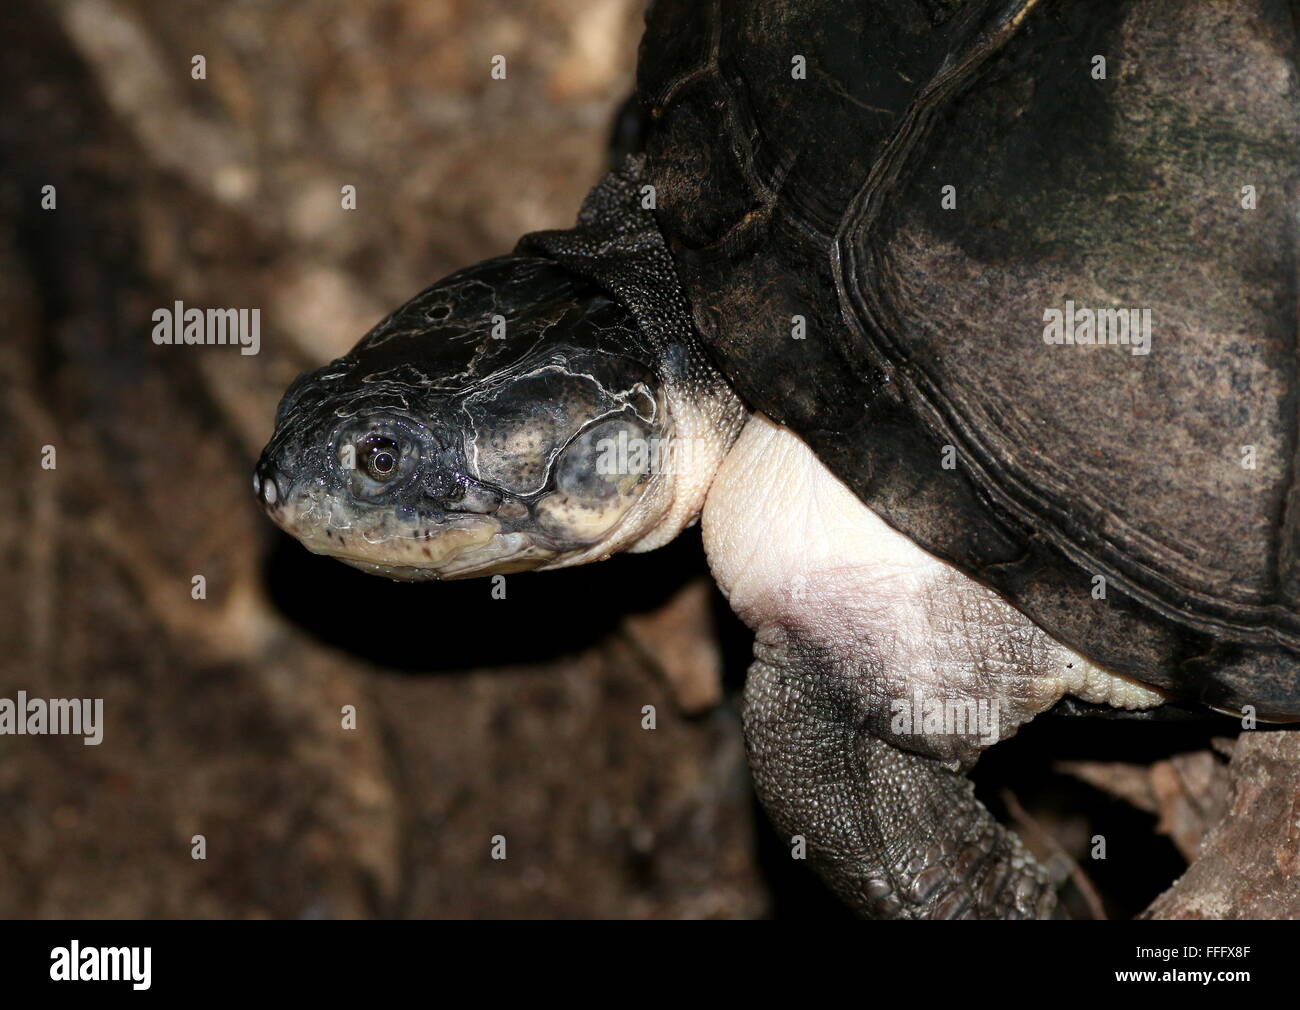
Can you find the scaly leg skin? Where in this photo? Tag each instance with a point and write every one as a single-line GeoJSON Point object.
{"type": "Point", "coordinates": [880, 674]}
{"type": "Point", "coordinates": [896, 835]}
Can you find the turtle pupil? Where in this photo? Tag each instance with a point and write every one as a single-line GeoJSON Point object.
{"type": "Point", "coordinates": [380, 455]}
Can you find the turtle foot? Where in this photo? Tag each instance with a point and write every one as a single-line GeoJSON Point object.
{"type": "Point", "coordinates": [896, 835]}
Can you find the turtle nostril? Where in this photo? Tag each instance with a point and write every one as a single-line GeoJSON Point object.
{"type": "Point", "coordinates": [265, 485]}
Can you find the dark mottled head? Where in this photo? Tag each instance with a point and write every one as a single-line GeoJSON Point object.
{"type": "Point", "coordinates": [505, 418]}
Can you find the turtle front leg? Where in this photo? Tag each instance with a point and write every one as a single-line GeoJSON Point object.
{"type": "Point", "coordinates": [880, 674]}
{"type": "Point", "coordinates": [894, 833]}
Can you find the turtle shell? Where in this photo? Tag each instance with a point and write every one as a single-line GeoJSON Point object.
{"type": "Point", "coordinates": [901, 225]}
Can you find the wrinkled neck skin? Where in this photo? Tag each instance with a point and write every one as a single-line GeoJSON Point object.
{"type": "Point", "coordinates": [535, 411]}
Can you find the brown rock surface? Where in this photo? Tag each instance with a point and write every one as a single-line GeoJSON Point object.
{"type": "Point", "coordinates": [224, 715]}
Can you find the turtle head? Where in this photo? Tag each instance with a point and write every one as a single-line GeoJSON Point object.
{"type": "Point", "coordinates": [506, 418]}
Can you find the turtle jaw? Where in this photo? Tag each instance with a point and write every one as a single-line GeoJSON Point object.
{"type": "Point", "coordinates": [398, 543]}
{"type": "Point", "coordinates": [386, 542]}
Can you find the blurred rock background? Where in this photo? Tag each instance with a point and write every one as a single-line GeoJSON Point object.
{"type": "Point", "coordinates": [475, 717]}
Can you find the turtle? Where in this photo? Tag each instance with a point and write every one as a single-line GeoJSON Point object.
{"type": "Point", "coordinates": [965, 328]}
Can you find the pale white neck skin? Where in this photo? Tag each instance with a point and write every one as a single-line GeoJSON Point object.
{"type": "Point", "coordinates": [793, 549]}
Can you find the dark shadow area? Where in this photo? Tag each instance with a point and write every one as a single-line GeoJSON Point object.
{"type": "Point", "coordinates": [1139, 863]}
{"type": "Point", "coordinates": [452, 626]}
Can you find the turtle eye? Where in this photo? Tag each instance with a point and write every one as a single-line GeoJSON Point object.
{"type": "Point", "coordinates": [379, 456]}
